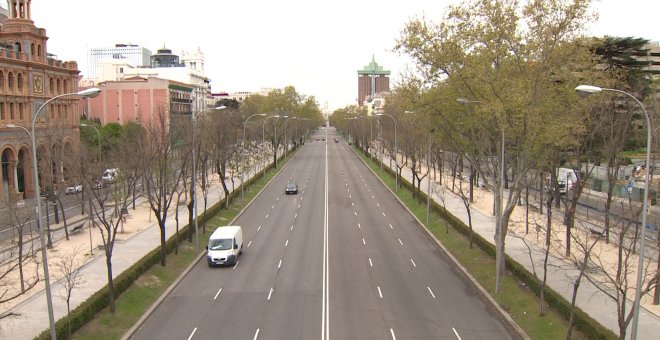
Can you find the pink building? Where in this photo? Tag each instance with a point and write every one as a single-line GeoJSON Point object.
{"type": "Point", "coordinates": [139, 100]}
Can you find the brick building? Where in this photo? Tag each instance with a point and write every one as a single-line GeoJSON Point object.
{"type": "Point", "coordinates": [372, 81]}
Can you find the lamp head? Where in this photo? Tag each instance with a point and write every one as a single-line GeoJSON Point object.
{"type": "Point", "coordinates": [83, 124]}
{"type": "Point", "coordinates": [91, 92]}
{"type": "Point", "coordinates": [11, 126]}
{"type": "Point", "coordinates": [261, 114]}
{"type": "Point", "coordinates": [284, 117]}
{"type": "Point", "coordinates": [221, 107]}
{"type": "Point", "coordinates": [585, 90]}
{"type": "Point", "coordinates": [379, 114]}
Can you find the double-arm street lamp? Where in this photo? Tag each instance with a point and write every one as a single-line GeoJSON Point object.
{"type": "Point", "coordinates": [396, 164]}
{"type": "Point", "coordinates": [585, 90]}
{"type": "Point", "coordinates": [194, 171]}
{"type": "Point", "coordinates": [243, 146]}
{"type": "Point", "coordinates": [91, 93]}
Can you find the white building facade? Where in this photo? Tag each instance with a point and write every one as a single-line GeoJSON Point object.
{"type": "Point", "coordinates": [134, 55]}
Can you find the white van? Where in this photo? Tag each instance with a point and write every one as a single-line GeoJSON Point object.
{"type": "Point", "coordinates": [225, 245]}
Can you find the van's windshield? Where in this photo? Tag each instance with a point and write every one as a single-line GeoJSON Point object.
{"type": "Point", "coordinates": [221, 244]}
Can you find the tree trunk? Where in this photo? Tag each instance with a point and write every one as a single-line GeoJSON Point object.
{"type": "Point", "coordinates": [66, 230]}
{"type": "Point", "coordinates": [111, 287]}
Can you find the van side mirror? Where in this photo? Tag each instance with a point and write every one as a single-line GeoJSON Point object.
{"type": "Point", "coordinates": [235, 245]}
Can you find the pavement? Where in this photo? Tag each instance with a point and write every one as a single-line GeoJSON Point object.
{"type": "Point", "coordinates": [561, 270]}
{"type": "Point", "coordinates": [138, 236]}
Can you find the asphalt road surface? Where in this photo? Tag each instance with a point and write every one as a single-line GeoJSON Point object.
{"type": "Point", "coordinates": [342, 259]}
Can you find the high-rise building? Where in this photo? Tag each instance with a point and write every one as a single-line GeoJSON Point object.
{"type": "Point", "coordinates": [30, 76]}
{"type": "Point", "coordinates": [372, 80]}
{"type": "Point", "coordinates": [135, 55]}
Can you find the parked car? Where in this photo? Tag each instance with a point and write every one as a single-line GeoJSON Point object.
{"type": "Point", "coordinates": [74, 189]}
{"type": "Point", "coordinates": [109, 175]}
{"type": "Point", "coordinates": [291, 188]}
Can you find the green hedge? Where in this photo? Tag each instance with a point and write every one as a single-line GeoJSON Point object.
{"type": "Point", "coordinates": [583, 322]}
{"type": "Point", "coordinates": [87, 310]}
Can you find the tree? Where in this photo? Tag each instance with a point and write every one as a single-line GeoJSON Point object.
{"type": "Point", "coordinates": [69, 267]}
{"type": "Point", "coordinates": [516, 61]}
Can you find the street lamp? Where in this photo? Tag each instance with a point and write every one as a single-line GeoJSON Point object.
{"type": "Point", "coordinates": [500, 211]}
{"type": "Point", "coordinates": [286, 141]}
{"type": "Point", "coordinates": [585, 90]}
{"type": "Point", "coordinates": [243, 145]}
{"type": "Point", "coordinates": [275, 138]}
{"type": "Point", "coordinates": [396, 171]}
{"type": "Point", "coordinates": [194, 171]}
{"type": "Point", "coordinates": [263, 135]}
{"type": "Point", "coordinates": [91, 93]}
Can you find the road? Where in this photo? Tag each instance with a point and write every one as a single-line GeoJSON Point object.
{"type": "Point", "coordinates": [342, 260]}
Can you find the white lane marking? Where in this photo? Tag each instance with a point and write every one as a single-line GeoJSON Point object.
{"type": "Point", "coordinates": [378, 204]}
{"type": "Point", "coordinates": [430, 291]}
{"type": "Point", "coordinates": [400, 242]}
{"type": "Point", "coordinates": [292, 227]}
{"type": "Point", "coordinates": [391, 227]}
{"type": "Point", "coordinates": [286, 243]}
{"type": "Point", "coordinates": [349, 196]}
{"type": "Point", "coordinates": [380, 293]}
{"type": "Point", "coordinates": [298, 206]}
{"type": "Point", "coordinates": [279, 264]}
{"type": "Point", "coordinates": [295, 216]}
{"type": "Point", "coordinates": [353, 204]}
{"type": "Point", "coordinates": [278, 198]}
{"type": "Point", "coordinates": [216, 294]}
{"type": "Point", "coordinates": [364, 242]}
{"type": "Point", "coordinates": [392, 333]}
{"type": "Point", "coordinates": [193, 333]}
{"type": "Point", "coordinates": [373, 197]}
{"type": "Point", "coordinates": [256, 335]}
{"type": "Point", "coordinates": [270, 293]}
{"type": "Point", "coordinates": [413, 262]}
{"type": "Point", "coordinates": [383, 213]}
{"type": "Point", "coordinates": [455, 332]}
{"type": "Point", "coordinates": [259, 228]}
{"type": "Point", "coordinates": [273, 207]}
{"type": "Point", "coordinates": [355, 212]}
{"type": "Point", "coordinates": [249, 243]}
{"type": "Point", "coordinates": [349, 190]}
{"type": "Point", "coordinates": [371, 263]}
{"type": "Point", "coordinates": [236, 265]}
{"type": "Point", "coordinates": [359, 226]}
{"type": "Point", "coordinates": [266, 216]}
{"type": "Point", "coordinates": [325, 314]}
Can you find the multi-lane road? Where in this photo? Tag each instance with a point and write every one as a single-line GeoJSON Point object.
{"type": "Point", "coordinates": [342, 259]}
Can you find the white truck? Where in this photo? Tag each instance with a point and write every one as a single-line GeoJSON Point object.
{"type": "Point", "coordinates": [225, 245]}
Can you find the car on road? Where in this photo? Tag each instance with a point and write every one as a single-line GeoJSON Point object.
{"type": "Point", "coordinates": [291, 188]}
{"type": "Point", "coordinates": [336, 140]}
{"type": "Point", "coordinates": [74, 189]}
{"type": "Point", "coordinates": [225, 245]}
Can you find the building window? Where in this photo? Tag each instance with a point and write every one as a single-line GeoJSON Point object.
{"type": "Point", "coordinates": [32, 50]}
{"type": "Point", "coordinates": [11, 111]}
{"type": "Point", "coordinates": [66, 89]}
{"type": "Point", "coordinates": [2, 111]}
{"type": "Point", "coordinates": [39, 50]}
{"type": "Point", "coordinates": [59, 86]}
{"type": "Point", "coordinates": [10, 80]}
{"type": "Point", "coordinates": [2, 80]}
{"type": "Point", "coordinates": [52, 85]}
{"type": "Point", "coordinates": [19, 81]}
{"type": "Point", "coordinates": [20, 111]}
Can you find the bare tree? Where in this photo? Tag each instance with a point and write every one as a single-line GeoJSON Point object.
{"type": "Point", "coordinates": [69, 265]}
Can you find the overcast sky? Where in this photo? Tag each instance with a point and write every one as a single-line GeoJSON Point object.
{"type": "Point", "coordinates": [315, 46]}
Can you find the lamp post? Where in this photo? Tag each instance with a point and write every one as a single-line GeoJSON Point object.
{"type": "Point", "coordinates": [91, 92]}
{"type": "Point", "coordinates": [500, 213]}
{"type": "Point", "coordinates": [396, 171]}
{"type": "Point", "coordinates": [585, 90]}
{"type": "Point", "coordinates": [243, 146]}
{"type": "Point", "coordinates": [286, 141]}
{"type": "Point", "coordinates": [275, 139]}
{"type": "Point", "coordinates": [263, 134]}
{"type": "Point", "coordinates": [371, 130]}
{"type": "Point", "coordinates": [193, 192]}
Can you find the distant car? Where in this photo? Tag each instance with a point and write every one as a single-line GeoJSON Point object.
{"type": "Point", "coordinates": [336, 140]}
{"type": "Point", "coordinates": [317, 138]}
{"type": "Point", "coordinates": [291, 188]}
{"type": "Point", "coordinates": [323, 139]}
{"type": "Point", "coordinates": [74, 189]}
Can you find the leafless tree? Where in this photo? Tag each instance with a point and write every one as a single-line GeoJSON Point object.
{"type": "Point", "coordinates": [69, 266]}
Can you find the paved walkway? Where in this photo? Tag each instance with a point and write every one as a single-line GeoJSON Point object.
{"type": "Point", "coordinates": [140, 236]}
{"type": "Point", "coordinates": [561, 272]}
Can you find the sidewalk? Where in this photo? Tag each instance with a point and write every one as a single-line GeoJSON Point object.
{"type": "Point", "coordinates": [140, 236]}
{"type": "Point", "coordinates": [560, 271]}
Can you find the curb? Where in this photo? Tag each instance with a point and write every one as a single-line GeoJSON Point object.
{"type": "Point", "coordinates": [510, 324]}
{"type": "Point", "coordinates": [185, 272]}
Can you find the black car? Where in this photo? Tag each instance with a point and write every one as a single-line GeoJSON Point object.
{"type": "Point", "coordinates": [291, 188]}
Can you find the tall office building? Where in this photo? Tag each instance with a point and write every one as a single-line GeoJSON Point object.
{"type": "Point", "coordinates": [135, 55]}
{"type": "Point", "coordinates": [372, 80]}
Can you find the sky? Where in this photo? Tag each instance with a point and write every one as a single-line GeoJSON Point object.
{"type": "Point", "coordinates": [315, 46]}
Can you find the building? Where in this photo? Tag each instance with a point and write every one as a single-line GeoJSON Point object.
{"type": "Point", "coordinates": [372, 80]}
{"type": "Point", "coordinates": [30, 76]}
{"type": "Point", "coordinates": [163, 65]}
{"type": "Point", "coordinates": [134, 55]}
{"type": "Point", "coordinates": [139, 99]}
